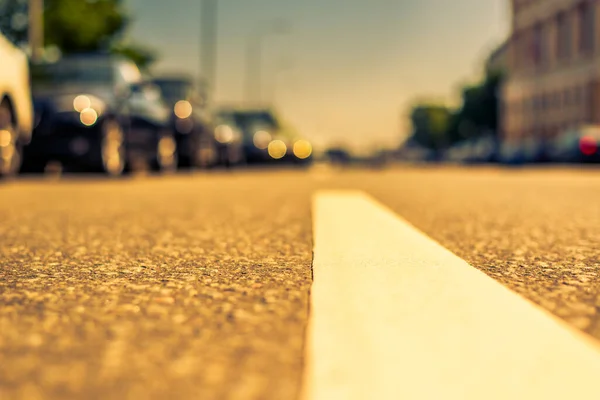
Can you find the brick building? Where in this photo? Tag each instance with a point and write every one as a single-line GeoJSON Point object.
{"type": "Point", "coordinates": [553, 58]}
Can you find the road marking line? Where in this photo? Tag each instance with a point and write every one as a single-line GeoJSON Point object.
{"type": "Point", "coordinates": [394, 315]}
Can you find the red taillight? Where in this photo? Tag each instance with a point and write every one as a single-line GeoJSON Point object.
{"type": "Point", "coordinates": [588, 145]}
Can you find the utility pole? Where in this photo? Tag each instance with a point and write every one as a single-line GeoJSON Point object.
{"type": "Point", "coordinates": [208, 45]}
{"type": "Point", "coordinates": [36, 29]}
{"type": "Point", "coordinates": [284, 66]}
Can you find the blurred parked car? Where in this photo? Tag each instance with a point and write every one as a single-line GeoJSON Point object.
{"type": "Point", "coordinates": [483, 150]}
{"type": "Point", "coordinates": [266, 139]}
{"type": "Point", "coordinates": [230, 140]}
{"type": "Point", "coordinates": [580, 145]}
{"type": "Point", "coordinates": [16, 111]}
{"type": "Point", "coordinates": [534, 150]}
{"type": "Point", "coordinates": [413, 153]}
{"type": "Point", "coordinates": [338, 156]}
{"type": "Point", "coordinates": [257, 128]}
{"type": "Point", "coordinates": [473, 151]}
{"type": "Point", "coordinates": [202, 140]}
{"type": "Point", "coordinates": [511, 153]}
{"type": "Point", "coordinates": [459, 153]}
{"type": "Point", "coordinates": [152, 139]}
{"type": "Point", "coordinates": [95, 112]}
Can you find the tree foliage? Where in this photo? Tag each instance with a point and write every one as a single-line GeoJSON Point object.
{"type": "Point", "coordinates": [76, 26]}
{"type": "Point", "coordinates": [436, 126]}
{"type": "Point", "coordinates": [430, 125]}
{"type": "Point", "coordinates": [83, 25]}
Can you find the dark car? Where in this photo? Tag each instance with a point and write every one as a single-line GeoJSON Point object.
{"type": "Point", "coordinates": [580, 145]}
{"type": "Point", "coordinates": [94, 112]}
{"type": "Point", "coordinates": [338, 156]}
{"type": "Point", "coordinates": [202, 140]}
{"type": "Point", "coordinates": [266, 139]}
{"type": "Point", "coordinates": [257, 128]}
{"type": "Point", "coordinates": [531, 150]}
{"type": "Point", "coordinates": [484, 149]}
{"type": "Point", "coordinates": [152, 140]}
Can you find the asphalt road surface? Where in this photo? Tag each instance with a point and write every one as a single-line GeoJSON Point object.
{"type": "Point", "coordinates": [198, 286]}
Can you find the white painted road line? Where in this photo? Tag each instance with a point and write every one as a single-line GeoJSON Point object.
{"type": "Point", "coordinates": [394, 315]}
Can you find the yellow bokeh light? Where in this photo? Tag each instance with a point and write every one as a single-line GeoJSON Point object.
{"type": "Point", "coordinates": [224, 134]}
{"type": "Point", "coordinates": [262, 139]}
{"type": "Point", "coordinates": [88, 117]}
{"type": "Point", "coordinates": [277, 149]}
{"type": "Point", "coordinates": [302, 149]}
{"type": "Point", "coordinates": [183, 109]}
{"type": "Point", "coordinates": [167, 147]}
{"type": "Point", "coordinates": [81, 103]}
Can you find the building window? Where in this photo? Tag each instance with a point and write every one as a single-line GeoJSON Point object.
{"type": "Point", "coordinates": [545, 43]}
{"type": "Point", "coordinates": [564, 36]}
{"type": "Point", "coordinates": [578, 95]}
{"type": "Point", "coordinates": [523, 50]}
{"type": "Point", "coordinates": [538, 36]}
{"type": "Point", "coordinates": [587, 26]}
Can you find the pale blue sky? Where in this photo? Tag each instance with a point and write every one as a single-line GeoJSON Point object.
{"type": "Point", "coordinates": [356, 64]}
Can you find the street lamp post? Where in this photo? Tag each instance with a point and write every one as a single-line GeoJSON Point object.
{"type": "Point", "coordinates": [283, 67]}
{"type": "Point", "coordinates": [254, 57]}
{"type": "Point", "coordinates": [36, 29]}
{"type": "Point", "coordinates": [208, 50]}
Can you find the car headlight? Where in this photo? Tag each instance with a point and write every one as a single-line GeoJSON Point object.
{"type": "Point", "coordinates": [78, 103]}
{"type": "Point", "coordinates": [277, 149]}
{"type": "Point", "coordinates": [302, 149]}
{"type": "Point", "coordinates": [224, 134]}
{"type": "Point", "coordinates": [82, 102]}
{"type": "Point", "coordinates": [183, 109]}
{"type": "Point", "coordinates": [262, 139]}
{"type": "Point", "coordinates": [88, 116]}
{"type": "Point", "coordinates": [89, 107]}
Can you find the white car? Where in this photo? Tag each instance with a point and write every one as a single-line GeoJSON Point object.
{"type": "Point", "coordinates": [16, 110]}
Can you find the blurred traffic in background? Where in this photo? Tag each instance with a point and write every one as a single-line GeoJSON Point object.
{"type": "Point", "coordinates": [77, 92]}
{"type": "Point", "coordinates": [74, 99]}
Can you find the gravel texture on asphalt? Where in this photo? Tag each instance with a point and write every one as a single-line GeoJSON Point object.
{"type": "Point", "coordinates": [175, 287]}
{"type": "Point", "coordinates": [537, 231]}
{"type": "Point", "coordinates": [197, 286]}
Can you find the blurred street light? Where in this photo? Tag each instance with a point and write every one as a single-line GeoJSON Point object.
{"type": "Point", "coordinates": [254, 59]}
{"type": "Point", "coordinates": [284, 66]}
{"type": "Point", "coordinates": [36, 29]}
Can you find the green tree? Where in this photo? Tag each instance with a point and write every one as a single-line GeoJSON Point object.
{"type": "Point", "coordinates": [76, 26]}
{"type": "Point", "coordinates": [430, 125]}
{"type": "Point", "coordinates": [83, 25]}
{"type": "Point", "coordinates": [479, 111]}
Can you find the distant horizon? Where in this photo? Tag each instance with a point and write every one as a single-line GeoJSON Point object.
{"type": "Point", "coordinates": [335, 82]}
